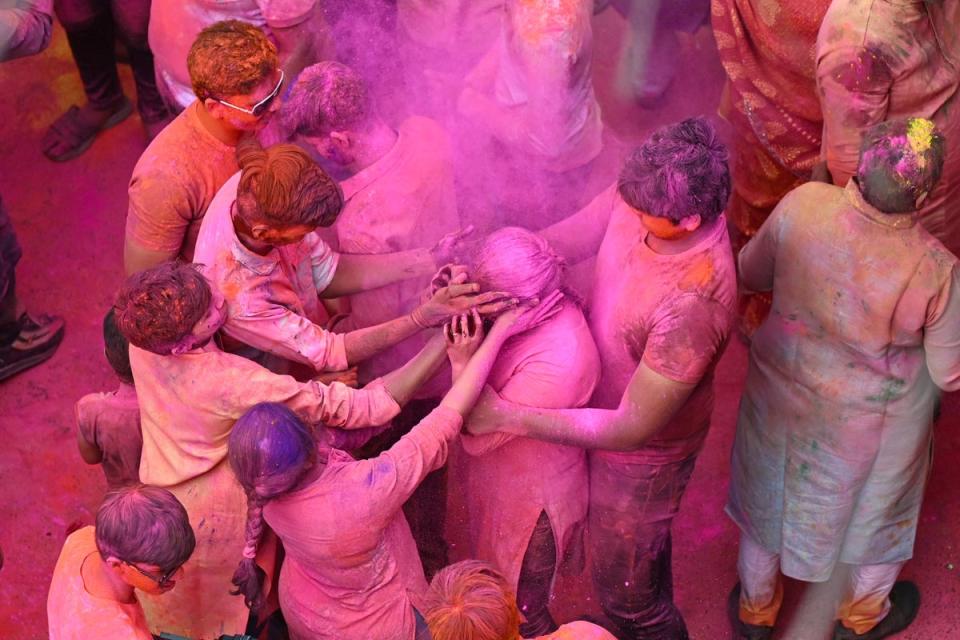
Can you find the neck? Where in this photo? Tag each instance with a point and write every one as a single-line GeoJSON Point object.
{"type": "Point", "coordinates": [218, 128]}
{"type": "Point", "coordinates": [679, 245]}
{"type": "Point", "coordinates": [245, 236]}
{"type": "Point", "coordinates": [101, 582]}
{"type": "Point", "coordinates": [372, 145]}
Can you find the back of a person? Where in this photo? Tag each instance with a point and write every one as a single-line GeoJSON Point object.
{"type": "Point", "coordinates": [578, 630]}
{"type": "Point", "coordinates": [854, 317]}
{"type": "Point", "coordinates": [343, 578]}
{"type": "Point", "coordinates": [111, 421]}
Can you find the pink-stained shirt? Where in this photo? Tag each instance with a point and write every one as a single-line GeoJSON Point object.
{"type": "Point", "coordinates": [674, 313]}
{"type": "Point", "coordinates": [834, 434]}
{"type": "Point", "coordinates": [73, 613]}
{"type": "Point", "coordinates": [111, 422]}
{"type": "Point", "coordinates": [449, 25]}
{"type": "Point", "coordinates": [174, 25]}
{"type": "Point", "coordinates": [272, 302]}
{"type": "Point", "coordinates": [189, 402]}
{"type": "Point", "coordinates": [579, 630]}
{"type": "Point", "coordinates": [889, 59]}
{"type": "Point", "coordinates": [510, 480]}
{"type": "Point", "coordinates": [173, 184]}
{"type": "Point", "coordinates": [351, 570]}
{"type": "Point", "coordinates": [25, 27]}
{"type": "Point", "coordinates": [404, 201]}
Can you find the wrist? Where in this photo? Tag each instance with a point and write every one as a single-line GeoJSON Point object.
{"type": "Point", "coordinates": [420, 318]}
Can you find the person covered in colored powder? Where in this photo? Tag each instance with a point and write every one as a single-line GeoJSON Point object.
{"type": "Point", "coordinates": [296, 27]}
{"type": "Point", "coordinates": [399, 196]}
{"type": "Point", "coordinates": [259, 243]}
{"type": "Point", "coordinates": [770, 100]}
{"type": "Point", "coordinates": [190, 393]}
{"type": "Point", "coordinates": [140, 543]}
{"type": "Point", "coordinates": [887, 60]}
{"type": "Point", "coordinates": [533, 93]}
{"type": "Point", "coordinates": [664, 297]}
{"type": "Point", "coordinates": [834, 435]}
{"type": "Point", "coordinates": [527, 499]}
{"type": "Point", "coordinates": [92, 28]}
{"type": "Point", "coordinates": [236, 76]}
{"type": "Point", "coordinates": [471, 599]}
{"type": "Point", "coordinates": [351, 570]}
{"type": "Point", "coordinates": [108, 424]}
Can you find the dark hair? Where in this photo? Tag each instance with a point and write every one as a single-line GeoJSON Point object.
{"type": "Point", "coordinates": [116, 348]}
{"type": "Point", "coordinates": [144, 524]}
{"type": "Point", "coordinates": [680, 171]}
{"type": "Point", "coordinates": [328, 96]}
{"type": "Point", "coordinates": [155, 309]}
{"type": "Point", "coordinates": [282, 185]}
{"type": "Point", "coordinates": [230, 58]}
{"type": "Point", "coordinates": [270, 449]}
{"type": "Point", "coordinates": [900, 160]}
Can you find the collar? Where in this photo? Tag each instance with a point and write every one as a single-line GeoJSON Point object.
{"type": "Point", "coordinates": [894, 220]}
{"type": "Point", "coordinates": [260, 265]}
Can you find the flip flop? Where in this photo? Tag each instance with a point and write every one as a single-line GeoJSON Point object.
{"type": "Point", "coordinates": [68, 131]}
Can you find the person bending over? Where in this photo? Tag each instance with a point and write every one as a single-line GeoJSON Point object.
{"type": "Point", "coordinates": [664, 298]}
{"type": "Point", "coordinates": [140, 542]}
{"type": "Point", "coordinates": [351, 563]}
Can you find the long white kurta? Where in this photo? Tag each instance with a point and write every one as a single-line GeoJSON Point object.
{"type": "Point", "coordinates": [833, 440]}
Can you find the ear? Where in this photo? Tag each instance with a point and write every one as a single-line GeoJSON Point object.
{"type": "Point", "coordinates": [185, 344]}
{"type": "Point", "coordinates": [259, 231]}
{"type": "Point", "coordinates": [114, 564]}
{"type": "Point", "coordinates": [690, 223]}
{"type": "Point", "coordinates": [340, 139]}
{"type": "Point", "coordinates": [214, 108]}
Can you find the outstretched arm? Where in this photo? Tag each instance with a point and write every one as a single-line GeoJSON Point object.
{"type": "Point", "coordinates": [579, 236]}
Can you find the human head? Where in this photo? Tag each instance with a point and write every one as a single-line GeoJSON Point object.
{"type": "Point", "coordinates": [169, 309]}
{"type": "Point", "coordinates": [143, 533]}
{"type": "Point", "coordinates": [270, 449]}
{"type": "Point", "coordinates": [329, 106]}
{"type": "Point", "coordinates": [900, 163]}
{"type": "Point", "coordinates": [678, 179]}
{"type": "Point", "coordinates": [116, 348]}
{"type": "Point", "coordinates": [518, 262]}
{"type": "Point", "coordinates": [471, 600]}
{"type": "Point", "coordinates": [235, 62]}
{"type": "Point", "coordinates": [283, 194]}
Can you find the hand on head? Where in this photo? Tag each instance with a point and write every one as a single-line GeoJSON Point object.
{"type": "Point", "coordinates": [463, 334]}
{"type": "Point", "coordinates": [528, 315]}
{"type": "Point", "coordinates": [451, 246]}
{"type": "Point", "coordinates": [455, 299]}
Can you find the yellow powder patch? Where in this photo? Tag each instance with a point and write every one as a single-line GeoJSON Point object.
{"type": "Point", "coordinates": [920, 135]}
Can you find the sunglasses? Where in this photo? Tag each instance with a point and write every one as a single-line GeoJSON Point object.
{"type": "Point", "coordinates": [161, 581]}
{"type": "Point", "coordinates": [258, 109]}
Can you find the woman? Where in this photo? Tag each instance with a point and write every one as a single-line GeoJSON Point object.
{"type": "Point", "coordinates": [528, 498]}
{"type": "Point", "coordinates": [351, 567]}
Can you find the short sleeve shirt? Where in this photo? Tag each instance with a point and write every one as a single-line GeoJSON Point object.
{"type": "Point", "coordinates": [111, 421]}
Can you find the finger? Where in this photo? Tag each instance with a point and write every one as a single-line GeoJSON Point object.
{"type": "Point", "coordinates": [457, 290]}
{"type": "Point", "coordinates": [463, 233]}
{"type": "Point", "coordinates": [495, 308]}
{"type": "Point", "coordinates": [461, 329]}
{"type": "Point", "coordinates": [477, 322]}
{"type": "Point", "coordinates": [448, 332]}
{"type": "Point", "coordinates": [460, 278]}
{"type": "Point", "coordinates": [489, 296]}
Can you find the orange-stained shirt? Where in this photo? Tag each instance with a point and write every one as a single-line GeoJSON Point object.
{"type": "Point", "coordinates": [73, 613]}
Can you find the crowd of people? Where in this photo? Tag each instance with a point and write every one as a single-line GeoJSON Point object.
{"type": "Point", "coordinates": [310, 331]}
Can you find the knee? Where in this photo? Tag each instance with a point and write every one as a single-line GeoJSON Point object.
{"type": "Point", "coordinates": [76, 15]}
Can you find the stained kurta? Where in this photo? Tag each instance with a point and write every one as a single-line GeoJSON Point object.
{"type": "Point", "coordinates": [671, 312]}
{"type": "Point", "coordinates": [510, 479]}
{"type": "Point", "coordinates": [188, 405]}
{"type": "Point", "coordinates": [272, 302]}
{"type": "Point", "coordinates": [404, 201]}
{"type": "Point", "coordinates": [889, 59]}
{"type": "Point", "coordinates": [833, 438]}
{"type": "Point", "coordinates": [73, 613]}
{"type": "Point", "coordinates": [111, 421]}
{"type": "Point", "coordinates": [173, 184]}
{"type": "Point", "coordinates": [174, 25]}
{"type": "Point", "coordinates": [351, 570]}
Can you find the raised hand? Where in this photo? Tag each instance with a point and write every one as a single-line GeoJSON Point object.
{"type": "Point", "coordinates": [451, 246]}
{"type": "Point", "coordinates": [459, 298]}
{"type": "Point", "coordinates": [447, 275]}
{"type": "Point", "coordinates": [528, 315]}
{"type": "Point", "coordinates": [347, 377]}
{"type": "Point", "coordinates": [463, 334]}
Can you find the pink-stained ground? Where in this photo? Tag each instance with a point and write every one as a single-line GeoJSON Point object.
{"type": "Point", "coordinates": [70, 218]}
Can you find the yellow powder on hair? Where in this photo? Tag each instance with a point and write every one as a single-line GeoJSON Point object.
{"type": "Point", "coordinates": [920, 135]}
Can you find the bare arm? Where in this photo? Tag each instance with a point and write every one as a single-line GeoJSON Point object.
{"type": "Point", "coordinates": [402, 383]}
{"type": "Point", "coordinates": [579, 236]}
{"type": "Point", "coordinates": [356, 273]}
{"type": "Point", "coordinates": [137, 258]}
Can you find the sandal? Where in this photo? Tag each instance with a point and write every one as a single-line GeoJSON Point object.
{"type": "Point", "coordinates": [69, 132]}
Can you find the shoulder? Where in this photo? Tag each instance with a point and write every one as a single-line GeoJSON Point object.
{"type": "Point", "coordinates": [579, 630]}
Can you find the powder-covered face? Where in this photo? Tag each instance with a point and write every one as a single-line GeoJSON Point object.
{"type": "Point", "coordinates": [664, 228]}
{"type": "Point", "coordinates": [245, 121]}
{"type": "Point", "coordinates": [134, 575]}
{"type": "Point", "coordinates": [281, 236]}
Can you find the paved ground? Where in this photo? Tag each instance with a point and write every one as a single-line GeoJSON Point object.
{"type": "Point", "coordinates": [70, 220]}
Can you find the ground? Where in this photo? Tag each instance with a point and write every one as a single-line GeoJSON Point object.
{"type": "Point", "coordinates": [70, 218]}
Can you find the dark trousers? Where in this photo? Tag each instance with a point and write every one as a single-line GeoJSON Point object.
{"type": "Point", "coordinates": [92, 26]}
{"type": "Point", "coordinates": [536, 579]}
{"type": "Point", "coordinates": [10, 253]}
{"type": "Point", "coordinates": [632, 506]}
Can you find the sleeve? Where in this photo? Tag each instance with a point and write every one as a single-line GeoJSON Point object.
{"type": "Point", "coordinates": [941, 339]}
{"type": "Point", "coordinates": [323, 261]}
{"type": "Point", "coordinates": [159, 212]}
{"type": "Point", "coordinates": [86, 423]}
{"type": "Point", "coordinates": [283, 14]}
{"type": "Point", "coordinates": [25, 29]}
{"type": "Point", "coordinates": [854, 85]}
{"type": "Point", "coordinates": [685, 341]}
{"type": "Point", "coordinates": [757, 259]}
{"type": "Point", "coordinates": [393, 476]}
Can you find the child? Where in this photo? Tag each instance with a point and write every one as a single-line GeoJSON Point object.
{"type": "Point", "coordinates": [108, 424]}
{"type": "Point", "coordinates": [141, 539]}
{"type": "Point", "coordinates": [351, 564]}
{"type": "Point", "coordinates": [470, 600]}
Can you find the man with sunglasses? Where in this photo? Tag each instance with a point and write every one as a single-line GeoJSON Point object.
{"type": "Point", "coordinates": [141, 539]}
{"type": "Point", "coordinates": [236, 76]}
